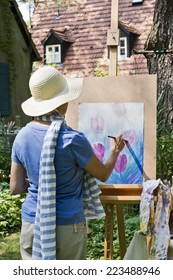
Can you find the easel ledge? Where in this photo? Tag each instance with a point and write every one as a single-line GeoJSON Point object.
{"type": "Point", "coordinates": [124, 192]}
{"type": "Point", "coordinates": [119, 194]}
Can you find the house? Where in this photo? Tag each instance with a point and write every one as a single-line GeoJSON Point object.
{"type": "Point", "coordinates": [76, 40]}
{"type": "Point", "coordinates": [17, 54]}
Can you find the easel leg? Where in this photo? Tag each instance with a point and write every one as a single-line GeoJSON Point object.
{"type": "Point", "coordinates": [109, 224]}
{"type": "Point", "coordinates": [121, 229]}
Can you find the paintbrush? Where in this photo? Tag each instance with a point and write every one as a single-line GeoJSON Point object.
{"type": "Point", "coordinates": [113, 137]}
{"type": "Point", "coordinates": [133, 155]}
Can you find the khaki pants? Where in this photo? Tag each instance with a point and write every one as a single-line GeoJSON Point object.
{"type": "Point", "coordinates": [71, 241]}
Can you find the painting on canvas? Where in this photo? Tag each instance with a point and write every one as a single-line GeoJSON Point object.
{"type": "Point", "coordinates": [98, 120]}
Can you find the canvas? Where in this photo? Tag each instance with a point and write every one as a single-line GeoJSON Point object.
{"type": "Point", "coordinates": [114, 119]}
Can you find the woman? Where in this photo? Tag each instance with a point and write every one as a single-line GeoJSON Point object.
{"type": "Point", "coordinates": [51, 161]}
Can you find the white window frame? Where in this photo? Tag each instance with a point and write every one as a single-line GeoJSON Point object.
{"type": "Point", "coordinates": [137, 1]}
{"type": "Point", "coordinates": [53, 57]}
{"type": "Point", "coordinates": [124, 56]}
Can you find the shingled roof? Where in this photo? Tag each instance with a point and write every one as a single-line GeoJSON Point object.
{"type": "Point", "coordinates": [88, 27]}
{"type": "Point", "coordinates": [131, 28]}
{"type": "Point", "coordinates": [64, 35]}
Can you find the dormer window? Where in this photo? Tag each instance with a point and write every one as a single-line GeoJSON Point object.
{"type": "Point", "coordinates": [53, 54]}
{"type": "Point", "coordinates": [56, 45]}
{"type": "Point", "coordinates": [128, 37]}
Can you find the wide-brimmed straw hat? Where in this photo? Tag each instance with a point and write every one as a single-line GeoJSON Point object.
{"type": "Point", "coordinates": [49, 90]}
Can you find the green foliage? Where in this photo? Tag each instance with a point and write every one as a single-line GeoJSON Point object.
{"type": "Point", "coordinates": [69, 4]}
{"type": "Point", "coordinates": [95, 239]}
{"type": "Point", "coordinates": [131, 225]}
{"type": "Point", "coordinates": [165, 157]}
{"type": "Point", "coordinates": [10, 205]}
{"type": "Point", "coordinates": [5, 157]}
{"type": "Point", "coordinates": [99, 72]}
{"type": "Point", "coordinates": [4, 168]}
{"type": "Point", "coordinates": [10, 210]}
{"type": "Point", "coordinates": [96, 236]}
{"type": "Point", "coordinates": [164, 143]}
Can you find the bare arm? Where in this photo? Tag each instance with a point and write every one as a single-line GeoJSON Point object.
{"type": "Point", "coordinates": [18, 180]}
{"type": "Point", "coordinates": [100, 170]}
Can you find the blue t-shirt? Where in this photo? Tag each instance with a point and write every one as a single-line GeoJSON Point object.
{"type": "Point", "coordinates": [73, 153]}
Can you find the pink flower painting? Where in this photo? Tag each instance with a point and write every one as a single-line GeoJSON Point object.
{"type": "Point", "coordinates": [119, 109]}
{"type": "Point", "coordinates": [97, 124]}
{"type": "Point", "coordinates": [99, 150]}
{"type": "Point", "coordinates": [130, 136]}
{"type": "Point", "coordinates": [100, 120]}
{"type": "Point", "coordinates": [121, 163]}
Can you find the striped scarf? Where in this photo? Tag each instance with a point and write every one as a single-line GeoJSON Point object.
{"type": "Point", "coordinates": [44, 241]}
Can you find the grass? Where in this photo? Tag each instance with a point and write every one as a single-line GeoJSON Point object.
{"type": "Point", "coordinates": [9, 247]}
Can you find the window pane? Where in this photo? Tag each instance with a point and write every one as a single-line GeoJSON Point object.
{"type": "Point", "coordinates": [53, 54]}
{"type": "Point", "coordinates": [49, 58]}
{"type": "Point", "coordinates": [57, 57]}
{"type": "Point", "coordinates": [57, 49]}
{"type": "Point", "coordinates": [122, 43]}
{"type": "Point", "coordinates": [122, 52]}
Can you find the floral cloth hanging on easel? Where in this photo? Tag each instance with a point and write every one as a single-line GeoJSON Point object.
{"type": "Point", "coordinates": [155, 221]}
{"type": "Point", "coordinates": [152, 241]}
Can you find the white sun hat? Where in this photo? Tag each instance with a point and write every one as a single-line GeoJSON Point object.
{"type": "Point", "coordinates": [49, 90]}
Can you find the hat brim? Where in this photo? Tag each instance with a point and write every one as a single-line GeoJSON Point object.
{"type": "Point", "coordinates": [34, 108]}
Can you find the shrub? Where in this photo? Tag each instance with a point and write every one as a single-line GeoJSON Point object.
{"type": "Point", "coordinates": [10, 210]}
{"type": "Point", "coordinates": [164, 156]}
{"type": "Point", "coordinates": [97, 227]}
{"type": "Point", "coordinates": [5, 158]}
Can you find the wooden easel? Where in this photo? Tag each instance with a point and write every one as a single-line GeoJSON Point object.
{"type": "Point", "coordinates": [116, 195]}
{"type": "Point", "coordinates": [111, 196]}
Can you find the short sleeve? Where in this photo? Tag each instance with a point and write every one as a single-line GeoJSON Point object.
{"type": "Point", "coordinates": [14, 156]}
{"type": "Point", "coordinates": [81, 150]}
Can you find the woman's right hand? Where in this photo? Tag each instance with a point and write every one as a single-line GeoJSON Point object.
{"type": "Point", "coordinates": [117, 144]}
{"type": "Point", "coordinates": [101, 170]}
